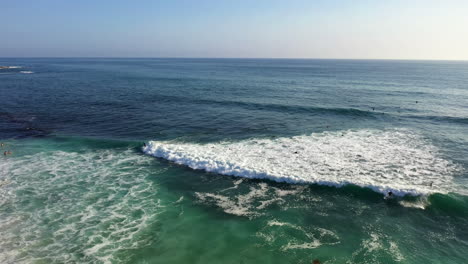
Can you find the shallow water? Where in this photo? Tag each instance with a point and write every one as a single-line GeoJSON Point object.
{"type": "Point", "coordinates": [247, 161]}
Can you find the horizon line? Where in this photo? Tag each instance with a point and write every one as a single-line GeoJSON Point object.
{"type": "Point", "coordinates": [238, 58]}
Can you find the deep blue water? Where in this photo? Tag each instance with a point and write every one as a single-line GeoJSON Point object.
{"type": "Point", "coordinates": [82, 121]}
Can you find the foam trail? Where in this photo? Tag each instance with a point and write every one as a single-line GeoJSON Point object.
{"type": "Point", "coordinates": [398, 160]}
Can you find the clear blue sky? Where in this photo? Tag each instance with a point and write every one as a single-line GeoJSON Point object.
{"type": "Point", "coordinates": [386, 29]}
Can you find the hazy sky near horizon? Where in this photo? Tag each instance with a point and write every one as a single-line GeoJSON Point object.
{"type": "Point", "coordinates": [385, 29]}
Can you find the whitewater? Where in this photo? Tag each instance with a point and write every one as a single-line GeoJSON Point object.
{"type": "Point", "coordinates": [398, 160]}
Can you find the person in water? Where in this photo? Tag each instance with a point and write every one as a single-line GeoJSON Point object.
{"type": "Point", "coordinates": [389, 195]}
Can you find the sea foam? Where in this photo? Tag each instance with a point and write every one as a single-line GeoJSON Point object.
{"type": "Point", "coordinates": [400, 161]}
{"type": "Point", "coordinates": [71, 207]}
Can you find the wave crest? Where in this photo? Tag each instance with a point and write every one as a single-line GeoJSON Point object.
{"type": "Point", "coordinates": [398, 160]}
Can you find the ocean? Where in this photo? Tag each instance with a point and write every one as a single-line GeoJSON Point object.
{"type": "Point", "coordinates": [233, 161]}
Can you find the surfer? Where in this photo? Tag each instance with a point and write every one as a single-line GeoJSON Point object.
{"type": "Point", "coordinates": [389, 195]}
{"type": "Point", "coordinates": [4, 153]}
{"type": "Point", "coordinates": [144, 145]}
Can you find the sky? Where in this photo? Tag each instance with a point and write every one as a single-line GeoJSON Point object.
{"type": "Point", "coordinates": [346, 29]}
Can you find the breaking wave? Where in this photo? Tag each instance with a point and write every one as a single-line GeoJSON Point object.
{"type": "Point", "coordinates": [400, 161]}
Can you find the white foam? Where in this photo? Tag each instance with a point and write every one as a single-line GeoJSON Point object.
{"type": "Point", "coordinates": [93, 203]}
{"type": "Point", "coordinates": [179, 200]}
{"type": "Point", "coordinates": [241, 205]}
{"type": "Point", "coordinates": [421, 203]}
{"type": "Point", "coordinates": [279, 223]}
{"type": "Point", "coordinates": [11, 67]}
{"type": "Point", "coordinates": [26, 72]}
{"type": "Point", "coordinates": [296, 190]}
{"type": "Point", "coordinates": [298, 237]}
{"type": "Point", "coordinates": [377, 244]}
{"type": "Point", "coordinates": [309, 245]}
{"type": "Point", "coordinates": [400, 161]}
{"type": "Point", "coordinates": [236, 185]}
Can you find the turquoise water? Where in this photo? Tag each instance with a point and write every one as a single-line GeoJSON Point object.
{"type": "Point", "coordinates": [246, 161]}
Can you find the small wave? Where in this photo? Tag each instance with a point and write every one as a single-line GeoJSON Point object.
{"type": "Point", "coordinates": [293, 108]}
{"type": "Point", "coordinates": [399, 161]}
{"type": "Point", "coordinates": [10, 67]}
{"type": "Point", "coordinates": [450, 119]}
{"type": "Point", "coordinates": [266, 107]}
{"type": "Point", "coordinates": [26, 72]}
